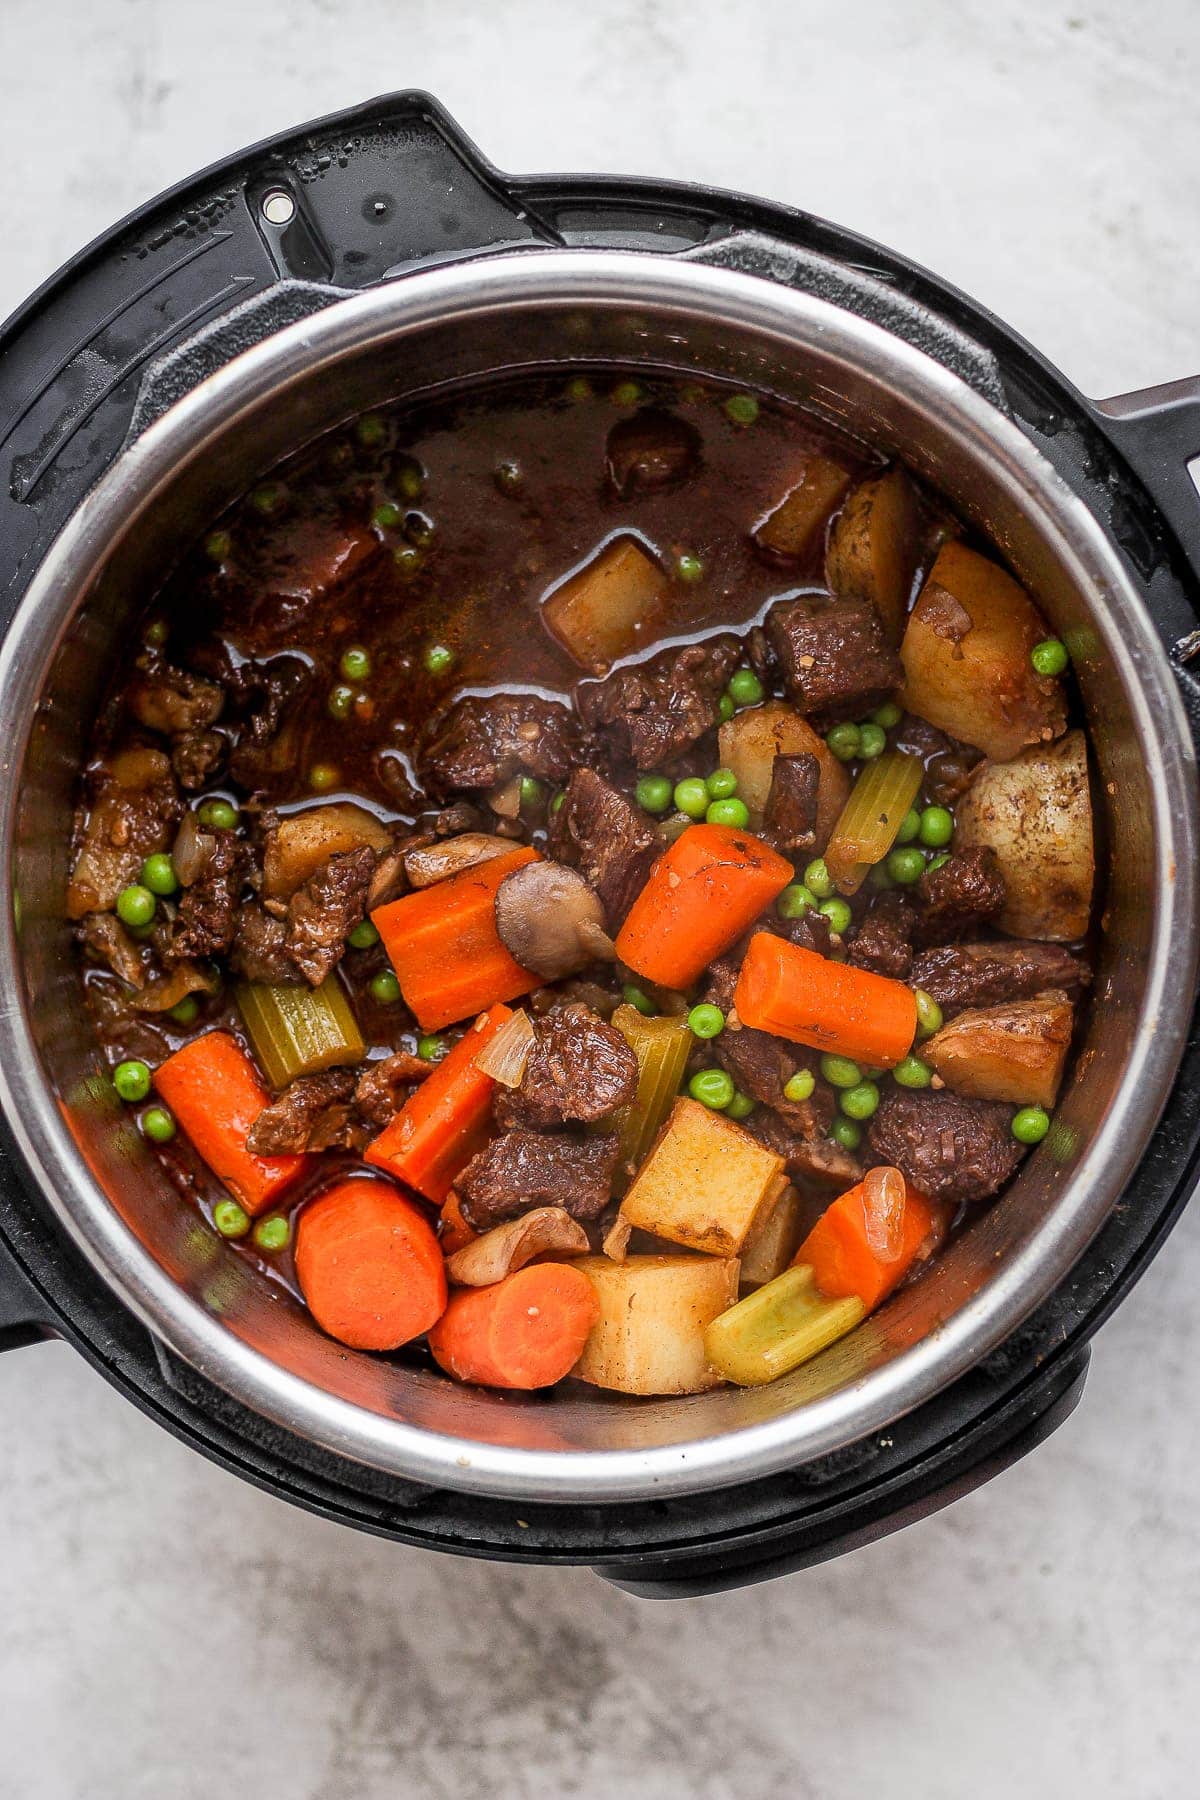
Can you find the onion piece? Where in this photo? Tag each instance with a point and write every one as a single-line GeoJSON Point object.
{"type": "Point", "coordinates": [504, 1056]}
{"type": "Point", "coordinates": [510, 1246]}
{"type": "Point", "coordinates": [191, 850]}
{"type": "Point", "coordinates": [885, 1196]}
{"type": "Point", "coordinates": [187, 978]}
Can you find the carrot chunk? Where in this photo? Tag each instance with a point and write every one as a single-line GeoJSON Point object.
{"type": "Point", "coordinates": [369, 1265]}
{"type": "Point", "coordinates": [445, 949]}
{"type": "Point", "coordinates": [700, 896]}
{"type": "Point", "coordinates": [866, 1242]}
{"type": "Point", "coordinates": [446, 1120]}
{"type": "Point", "coordinates": [809, 999]}
{"type": "Point", "coordinates": [526, 1331]}
{"type": "Point", "coordinates": [213, 1089]}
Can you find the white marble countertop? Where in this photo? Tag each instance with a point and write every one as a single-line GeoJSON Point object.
{"type": "Point", "coordinates": [169, 1633]}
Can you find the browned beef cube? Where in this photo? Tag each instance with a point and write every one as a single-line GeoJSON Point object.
{"type": "Point", "coordinates": [579, 1070]}
{"type": "Point", "coordinates": [602, 833]}
{"type": "Point", "coordinates": [952, 1148]}
{"type": "Point", "coordinates": [652, 712]}
{"type": "Point", "coordinates": [524, 1169]}
{"type": "Point", "coordinates": [833, 654]}
{"type": "Point", "coordinates": [962, 975]}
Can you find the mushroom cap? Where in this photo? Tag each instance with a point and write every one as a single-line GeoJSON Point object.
{"type": "Point", "coordinates": [550, 920]}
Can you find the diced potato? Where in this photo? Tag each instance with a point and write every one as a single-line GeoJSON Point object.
{"type": "Point", "coordinates": [654, 1312]}
{"type": "Point", "coordinates": [791, 528]}
{"type": "Point", "coordinates": [749, 744]}
{"type": "Point", "coordinates": [874, 548]}
{"type": "Point", "coordinates": [966, 658]}
{"type": "Point", "coordinates": [774, 1237]}
{"type": "Point", "coordinates": [1014, 1052]}
{"type": "Point", "coordinates": [608, 607]}
{"type": "Point", "coordinates": [303, 842]}
{"type": "Point", "coordinates": [703, 1182]}
{"type": "Point", "coordinates": [1036, 813]}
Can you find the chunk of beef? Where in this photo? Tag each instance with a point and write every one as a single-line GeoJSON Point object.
{"type": "Point", "coordinates": [164, 698]}
{"type": "Point", "coordinates": [259, 948]}
{"type": "Point", "coordinates": [761, 1065]}
{"type": "Point", "coordinates": [949, 765]}
{"type": "Point", "coordinates": [287, 1126]}
{"type": "Point", "coordinates": [790, 815]}
{"type": "Point", "coordinates": [481, 742]}
{"type": "Point", "coordinates": [267, 698]}
{"type": "Point", "coordinates": [962, 975]}
{"type": "Point", "coordinates": [811, 1161]}
{"type": "Point", "coordinates": [103, 934]}
{"type": "Point", "coordinates": [950, 1147]}
{"type": "Point", "coordinates": [812, 930]}
{"type": "Point", "coordinates": [453, 821]}
{"type": "Point", "coordinates": [599, 831]}
{"type": "Point", "coordinates": [833, 654]}
{"type": "Point", "coordinates": [579, 1070]}
{"type": "Point", "coordinates": [325, 910]}
{"type": "Point", "coordinates": [196, 757]}
{"type": "Point", "coordinates": [588, 990]}
{"type": "Point", "coordinates": [130, 812]}
{"type": "Point", "coordinates": [883, 940]}
{"type": "Point", "coordinates": [208, 909]}
{"type": "Point", "coordinates": [653, 711]}
{"type": "Point", "coordinates": [379, 1094]}
{"type": "Point", "coordinates": [651, 452]}
{"type": "Point", "coordinates": [958, 898]}
{"type": "Point", "coordinates": [524, 1169]}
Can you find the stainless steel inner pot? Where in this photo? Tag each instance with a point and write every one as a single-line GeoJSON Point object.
{"type": "Point", "coordinates": [449, 326]}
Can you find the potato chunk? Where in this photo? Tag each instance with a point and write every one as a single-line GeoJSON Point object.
{"type": "Point", "coordinates": [654, 1312]}
{"type": "Point", "coordinates": [749, 744]}
{"type": "Point", "coordinates": [874, 548]}
{"type": "Point", "coordinates": [1036, 814]}
{"type": "Point", "coordinates": [773, 1238]}
{"type": "Point", "coordinates": [791, 528]}
{"type": "Point", "coordinates": [1014, 1052]}
{"type": "Point", "coordinates": [608, 607]}
{"type": "Point", "coordinates": [703, 1182]}
{"type": "Point", "coordinates": [303, 842]}
{"type": "Point", "coordinates": [966, 658]}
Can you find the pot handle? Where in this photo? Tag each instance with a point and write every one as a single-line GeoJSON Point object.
{"type": "Point", "coordinates": [23, 1312]}
{"type": "Point", "coordinates": [1157, 430]}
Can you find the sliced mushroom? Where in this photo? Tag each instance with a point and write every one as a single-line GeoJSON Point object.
{"type": "Point", "coordinates": [510, 1246]}
{"type": "Point", "coordinates": [550, 920]}
{"type": "Point", "coordinates": [437, 862]}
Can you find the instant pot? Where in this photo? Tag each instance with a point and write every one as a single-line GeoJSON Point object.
{"type": "Point", "coordinates": [377, 254]}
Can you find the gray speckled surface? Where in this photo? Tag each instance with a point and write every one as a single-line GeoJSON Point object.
{"type": "Point", "coordinates": [168, 1632]}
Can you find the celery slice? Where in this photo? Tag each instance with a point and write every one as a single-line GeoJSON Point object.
{"type": "Point", "coordinates": [871, 817]}
{"type": "Point", "coordinates": [662, 1046]}
{"type": "Point", "coordinates": [296, 1030]}
{"type": "Point", "coordinates": [779, 1326]}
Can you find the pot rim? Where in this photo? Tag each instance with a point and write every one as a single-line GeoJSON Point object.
{"type": "Point", "coordinates": [617, 279]}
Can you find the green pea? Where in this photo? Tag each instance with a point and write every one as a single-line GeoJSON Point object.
{"type": "Point", "coordinates": [370, 431]}
{"type": "Point", "coordinates": [872, 741]}
{"type": "Point", "coordinates": [156, 633]}
{"type": "Point", "coordinates": [910, 826]}
{"type": "Point", "coordinates": [937, 827]}
{"type": "Point", "coordinates": [508, 477]}
{"type": "Point", "coordinates": [355, 664]}
{"type": "Point", "coordinates": [419, 529]}
{"type": "Point", "coordinates": [938, 862]}
{"type": "Point", "coordinates": [689, 568]}
{"type": "Point", "coordinates": [627, 393]}
{"type": "Point", "coordinates": [795, 901]}
{"type": "Point", "coordinates": [268, 498]}
{"type": "Point", "coordinates": [742, 409]}
{"type": "Point", "coordinates": [722, 784]}
{"type": "Point", "coordinates": [1030, 1124]}
{"type": "Point", "coordinates": [407, 560]}
{"type": "Point", "coordinates": [1048, 658]}
{"type": "Point", "coordinates": [438, 659]}
{"type": "Point", "coordinates": [410, 477]}
{"type": "Point", "coordinates": [840, 1072]}
{"type": "Point", "coordinates": [817, 879]}
{"type": "Point", "coordinates": [364, 936]}
{"type": "Point", "coordinates": [706, 1021]}
{"type": "Point", "coordinates": [135, 905]}
{"type": "Point", "coordinates": [532, 792]}
{"type": "Point", "coordinates": [131, 1080]}
{"type": "Point", "coordinates": [846, 1133]}
{"type": "Point", "coordinates": [653, 793]}
{"type": "Point", "coordinates": [384, 988]}
{"type": "Point", "coordinates": [741, 1106]}
{"type": "Point", "coordinates": [217, 815]}
{"type": "Point", "coordinates": [158, 1124]}
{"type": "Point", "coordinates": [838, 913]}
{"type": "Point", "coordinates": [911, 1072]}
{"type": "Point", "coordinates": [844, 741]}
{"type": "Point", "coordinates": [272, 1233]}
{"type": "Point", "coordinates": [432, 1048]}
{"type": "Point", "coordinates": [185, 1011]}
{"type": "Point", "coordinates": [861, 1101]}
{"type": "Point", "coordinates": [556, 805]}
{"type": "Point", "coordinates": [725, 708]}
{"type": "Point", "coordinates": [217, 545]}
{"type": "Point", "coordinates": [633, 996]}
{"type": "Point", "coordinates": [579, 388]}
{"type": "Point", "coordinates": [905, 866]}
{"type": "Point", "coordinates": [929, 1013]}
{"type": "Point", "coordinates": [713, 1088]}
{"type": "Point", "coordinates": [387, 515]}
{"type": "Point", "coordinates": [887, 715]}
{"type": "Point", "coordinates": [879, 879]}
{"type": "Point", "coordinates": [734, 813]}
{"type": "Point", "coordinates": [323, 776]}
{"type": "Point", "coordinates": [230, 1219]}
{"type": "Point", "coordinates": [340, 703]}
{"type": "Point", "coordinates": [745, 689]}
{"type": "Point", "coordinates": [691, 797]}
{"type": "Point", "coordinates": [801, 1085]}
{"type": "Point", "coordinates": [158, 874]}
